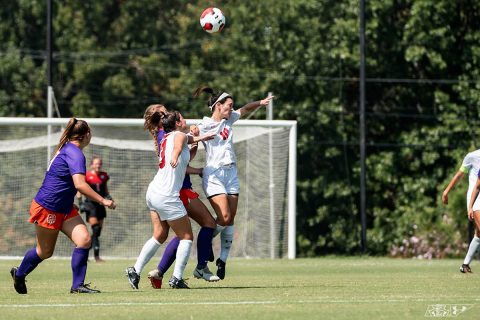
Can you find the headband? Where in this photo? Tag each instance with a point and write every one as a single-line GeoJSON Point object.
{"type": "Point", "coordinates": [222, 96]}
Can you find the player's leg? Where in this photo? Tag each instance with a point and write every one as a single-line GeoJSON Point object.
{"type": "Point", "coordinates": [46, 240]}
{"type": "Point", "coordinates": [199, 212]}
{"type": "Point", "coordinates": [220, 203]}
{"type": "Point", "coordinates": [474, 244]}
{"type": "Point", "coordinates": [183, 230]}
{"type": "Point", "coordinates": [75, 229]}
{"type": "Point", "coordinates": [160, 234]}
{"type": "Point", "coordinates": [47, 226]}
{"type": "Point", "coordinates": [96, 225]}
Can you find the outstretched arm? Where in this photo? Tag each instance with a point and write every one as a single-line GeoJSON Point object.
{"type": "Point", "coordinates": [254, 105]}
{"type": "Point", "coordinates": [458, 176]}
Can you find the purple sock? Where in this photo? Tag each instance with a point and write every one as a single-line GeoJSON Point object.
{"type": "Point", "coordinates": [79, 266]}
{"type": "Point", "coordinates": [29, 263]}
{"type": "Point", "coordinates": [169, 255]}
{"type": "Point", "coordinates": [204, 246]}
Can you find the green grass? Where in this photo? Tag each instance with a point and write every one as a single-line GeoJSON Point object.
{"type": "Point", "coordinates": [324, 288]}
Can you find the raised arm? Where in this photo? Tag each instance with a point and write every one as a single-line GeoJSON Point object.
{"type": "Point", "coordinates": [249, 107]}
{"type": "Point", "coordinates": [457, 177]}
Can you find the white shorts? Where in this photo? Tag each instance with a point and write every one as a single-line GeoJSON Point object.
{"type": "Point", "coordinates": [221, 181]}
{"type": "Point", "coordinates": [167, 208]}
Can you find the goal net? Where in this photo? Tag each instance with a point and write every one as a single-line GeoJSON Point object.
{"type": "Point", "coordinates": [265, 220]}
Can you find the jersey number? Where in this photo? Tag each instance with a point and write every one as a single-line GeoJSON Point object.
{"type": "Point", "coordinates": [224, 133]}
{"type": "Point", "coordinates": [162, 153]}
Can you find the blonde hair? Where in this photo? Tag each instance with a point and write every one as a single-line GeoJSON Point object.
{"type": "Point", "coordinates": [152, 121]}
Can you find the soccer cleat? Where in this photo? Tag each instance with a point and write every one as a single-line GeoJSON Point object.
{"type": "Point", "coordinates": [220, 268]}
{"type": "Point", "coordinates": [205, 274]}
{"type": "Point", "coordinates": [133, 277]}
{"type": "Point", "coordinates": [155, 279]}
{"type": "Point", "coordinates": [84, 288]}
{"type": "Point", "coordinates": [177, 283]}
{"type": "Point", "coordinates": [465, 268]}
{"type": "Point", "coordinates": [18, 282]}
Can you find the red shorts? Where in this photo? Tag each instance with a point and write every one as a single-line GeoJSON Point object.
{"type": "Point", "coordinates": [49, 219]}
{"type": "Point", "coordinates": [186, 195]}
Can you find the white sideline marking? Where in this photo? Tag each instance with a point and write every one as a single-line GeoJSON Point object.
{"type": "Point", "coordinates": [115, 304]}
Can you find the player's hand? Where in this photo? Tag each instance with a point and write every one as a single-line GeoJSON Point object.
{"type": "Point", "coordinates": [445, 197]}
{"type": "Point", "coordinates": [265, 101]}
{"type": "Point", "coordinates": [470, 214]}
{"type": "Point", "coordinates": [110, 204]}
{"type": "Point", "coordinates": [194, 130]}
{"type": "Point", "coordinates": [174, 162]}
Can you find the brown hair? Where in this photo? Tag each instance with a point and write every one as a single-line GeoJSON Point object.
{"type": "Point", "coordinates": [76, 130]}
{"type": "Point", "coordinates": [169, 120]}
{"type": "Point", "coordinates": [213, 96]}
{"type": "Point", "coordinates": [152, 117]}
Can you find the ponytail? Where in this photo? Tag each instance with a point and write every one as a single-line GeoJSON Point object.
{"type": "Point", "coordinates": [152, 117]}
{"type": "Point", "coordinates": [76, 130]}
{"type": "Point", "coordinates": [214, 97]}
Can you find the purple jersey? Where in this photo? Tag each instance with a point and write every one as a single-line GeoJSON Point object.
{"type": "Point", "coordinates": [58, 191]}
{"type": "Point", "coordinates": [187, 184]}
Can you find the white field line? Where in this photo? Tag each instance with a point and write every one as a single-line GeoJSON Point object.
{"type": "Point", "coordinates": [213, 303]}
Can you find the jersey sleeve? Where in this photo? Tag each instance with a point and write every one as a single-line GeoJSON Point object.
{"type": "Point", "coordinates": [77, 163]}
{"type": "Point", "coordinates": [234, 116]}
{"type": "Point", "coordinates": [466, 164]}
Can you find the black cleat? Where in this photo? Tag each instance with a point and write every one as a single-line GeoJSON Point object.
{"type": "Point", "coordinates": [133, 277]}
{"type": "Point", "coordinates": [465, 268]}
{"type": "Point", "coordinates": [177, 283]}
{"type": "Point", "coordinates": [84, 288]}
{"type": "Point", "coordinates": [220, 268]}
{"type": "Point", "coordinates": [18, 282]}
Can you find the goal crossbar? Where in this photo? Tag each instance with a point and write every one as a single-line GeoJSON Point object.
{"type": "Point", "coordinates": [122, 122]}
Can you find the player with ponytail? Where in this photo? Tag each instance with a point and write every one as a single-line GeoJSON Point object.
{"type": "Point", "coordinates": [53, 210]}
{"type": "Point", "coordinates": [220, 180]}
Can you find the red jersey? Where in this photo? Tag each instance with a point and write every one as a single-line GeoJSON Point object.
{"type": "Point", "coordinates": [98, 182]}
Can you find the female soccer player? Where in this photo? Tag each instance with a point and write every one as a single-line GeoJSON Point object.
{"type": "Point", "coordinates": [96, 213]}
{"type": "Point", "coordinates": [163, 194]}
{"type": "Point", "coordinates": [196, 209]}
{"type": "Point", "coordinates": [52, 209]}
{"type": "Point", "coordinates": [220, 181]}
{"type": "Point", "coordinates": [470, 166]}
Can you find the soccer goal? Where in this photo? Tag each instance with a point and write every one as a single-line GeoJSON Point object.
{"type": "Point", "coordinates": [266, 152]}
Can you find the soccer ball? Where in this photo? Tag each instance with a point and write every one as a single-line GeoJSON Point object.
{"type": "Point", "coordinates": [212, 20]}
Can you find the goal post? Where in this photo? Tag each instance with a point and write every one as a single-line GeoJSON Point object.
{"type": "Point", "coordinates": [263, 147]}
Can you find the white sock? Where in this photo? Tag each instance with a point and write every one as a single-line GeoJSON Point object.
{"type": "Point", "coordinates": [218, 229]}
{"type": "Point", "coordinates": [148, 251]}
{"type": "Point", "coordinates": [226, 239]}
{"type": "Point", "coordinates": [472, 249]}
{"type": "Point", "coordinates": [183, 253]}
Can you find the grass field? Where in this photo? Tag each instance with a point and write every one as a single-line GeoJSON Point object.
{"type": "Point", "coordinates": [324, 288]}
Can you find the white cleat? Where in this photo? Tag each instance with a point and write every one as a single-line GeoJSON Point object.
{"type": "Point", "coordinates": [205, 274]}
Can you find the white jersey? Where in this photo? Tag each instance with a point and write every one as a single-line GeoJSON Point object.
{"type": "Point", "coordinates": [471, 166]}
{"type": "Point", "coordinates": [220, 151]}
{"type": "Point", "coordinates": [168, 181]}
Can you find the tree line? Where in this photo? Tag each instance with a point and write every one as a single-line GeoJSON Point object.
{"type": "Point", "coordinates": [113, 58]}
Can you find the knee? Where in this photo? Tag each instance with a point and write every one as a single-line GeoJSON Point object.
{"type": "Point", "coordinates": [84, 241]}
{"type": "Point", "coordinates": [226, 221]}
{"type": "Point", "coordinates": [160, 235]}
{"type": "Point", "coordinates": [45, 253]}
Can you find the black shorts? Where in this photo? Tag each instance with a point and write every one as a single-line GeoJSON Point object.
{"type": "Point", "coordinates": [93, 209]}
